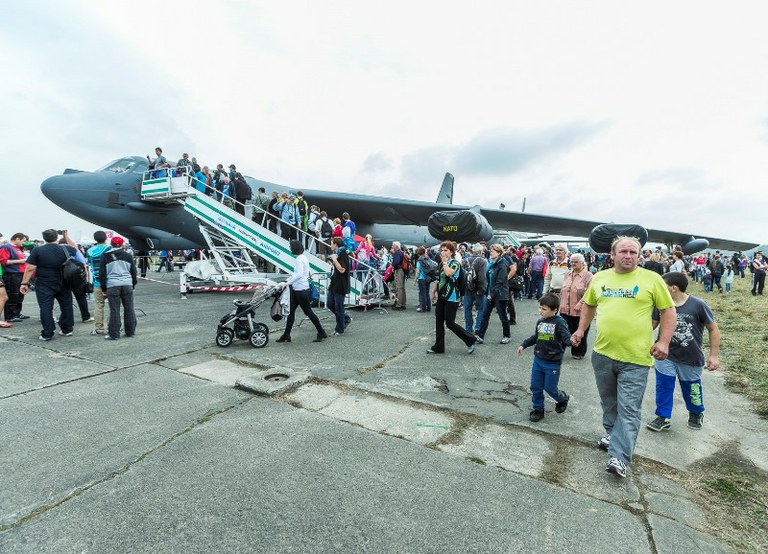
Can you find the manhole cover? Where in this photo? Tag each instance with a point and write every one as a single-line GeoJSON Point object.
{"type": "Point", "coordinates": [276, 377]}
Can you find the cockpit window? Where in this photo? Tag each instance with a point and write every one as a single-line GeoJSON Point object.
{"type": "Point", "coordinates": [123, 165]}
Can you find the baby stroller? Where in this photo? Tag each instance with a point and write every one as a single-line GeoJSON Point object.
{"type": "Point", "coordinates": [240, 322]}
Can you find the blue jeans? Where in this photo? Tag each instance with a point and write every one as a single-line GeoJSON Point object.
{"type": "Point", "coordinates": [470, 301]}
{"type": "Point", "coordinates": [335, 303]}
{"type": "Point", "coordinates": [424, 301]}
{"type": "Point", "coordinates": [545, 376]}
{"type": "Point", "coordinates": [621, 386]}
{"type": "Point", "coordinates": [45, 297]}
{"type": "Point", "coordinates": [690, 386]}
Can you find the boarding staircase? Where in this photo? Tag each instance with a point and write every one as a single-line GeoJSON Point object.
{"type": "Point", "coordinates": [232, 237]}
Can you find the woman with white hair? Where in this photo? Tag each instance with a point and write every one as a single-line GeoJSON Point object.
{"type": "Point", "coordinates": [574, 286]}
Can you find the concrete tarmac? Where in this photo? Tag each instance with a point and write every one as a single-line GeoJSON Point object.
{"type": "Point", "coordinates": [146, 445]}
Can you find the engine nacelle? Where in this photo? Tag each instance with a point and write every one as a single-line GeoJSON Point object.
{"type": "Point", "coordinates": [695, 245]}
{"type": "Point", "coordinates": [602, 236]}
{"type": "Point", "coordinates": [459, 226]}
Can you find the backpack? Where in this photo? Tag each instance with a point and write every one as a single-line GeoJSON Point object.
{"type": "Point", "coordinates": [303, 208]}
{"type": "Point", "coordinates": [406, 265]}
{"type": "Point", "coordinates": [326, 229]}
{"type": "Point", "coordinates": [471, 281]}
{"type": "Point", "coordinates": [73, 275]}
{"type": "Point", "coordinates": [429, 267]}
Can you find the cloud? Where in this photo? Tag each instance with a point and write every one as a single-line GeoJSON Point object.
{"type": "Point", "coordinates": [425, 165]}
{"type": "Point", "coordinates": [378, 162]}
{"type": "Point", "coordinates": [506, 150]}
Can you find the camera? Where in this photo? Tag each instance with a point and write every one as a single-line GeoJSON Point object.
{"type": "Point", "coordinates": [59, 231]}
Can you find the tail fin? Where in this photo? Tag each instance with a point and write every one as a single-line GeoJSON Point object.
{"type": "Point", "coordinates": [445, 196]}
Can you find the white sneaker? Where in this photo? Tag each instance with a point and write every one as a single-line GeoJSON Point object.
{"type": "Point", "coordinates": [617, 467]}
{"type": "Point", "coordinates": [63, 334]}
{"type": "Point", "coordinates": [505, 340]}
{"type": "Point", "coordinates": [604, 442]}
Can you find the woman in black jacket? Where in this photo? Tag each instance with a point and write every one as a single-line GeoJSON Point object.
{"type": "Point", "coordinates": [497, 294]}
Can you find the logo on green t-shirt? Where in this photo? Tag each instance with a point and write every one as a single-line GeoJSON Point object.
{"type": "Point", "coordinates": [606, 292]}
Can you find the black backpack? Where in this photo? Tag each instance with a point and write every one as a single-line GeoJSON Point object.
{"type": "Point", "coordinates": [429, 267]}
{"type": "Point", "coordinates": [461, 281]}
{"type": "Point", "coordinates": [73, 275]}
{"type": "Point", "coordinates": [326, 229]}
{"type": "Point", "coordinates": [302, 208]}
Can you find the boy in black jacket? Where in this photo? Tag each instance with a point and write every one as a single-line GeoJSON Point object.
{"type": "Point", "coordinates": [551, 339]}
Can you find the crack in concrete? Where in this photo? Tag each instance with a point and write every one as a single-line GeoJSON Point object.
{"type": "Point", "coordinates": [385, 361]}
{"type": "Point", "coordinates": [127, 467]}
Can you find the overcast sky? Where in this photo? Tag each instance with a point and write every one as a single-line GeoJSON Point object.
{"type": "Point", "coordinates": [653, 113]}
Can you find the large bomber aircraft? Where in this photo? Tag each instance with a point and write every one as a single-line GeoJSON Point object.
{"type": "Point", "coordinates": [110, 198]}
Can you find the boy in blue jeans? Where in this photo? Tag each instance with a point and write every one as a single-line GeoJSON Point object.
{"type": "Point", "coordinates": [686, 360]}
{"type": "Point", "coordinates": [551, 339]}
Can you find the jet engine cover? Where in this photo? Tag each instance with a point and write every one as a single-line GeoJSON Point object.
{"type": "Point", "coordinates": [601, 237]}
{"type": "Point", "coordinates": [695, 245]}
{"type": "Point", "coordinates": [459, 226]}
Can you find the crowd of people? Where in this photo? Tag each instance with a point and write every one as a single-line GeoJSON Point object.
{"type": "Point", "coordinates": [59, 271]}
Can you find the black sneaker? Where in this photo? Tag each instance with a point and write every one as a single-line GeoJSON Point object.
{"type": "Point", "coordinates": [15, 319]}
{"type": "Point", "coordinates": [536, 415]}
{"type": "Point", "coordinates": [284, 339]}
{"type": "Point", "coordinates": [560, 407]}
{"type": "Point", "coordinates": [659, 424]}
{"type": "Point", "coordinates": [695, 421]}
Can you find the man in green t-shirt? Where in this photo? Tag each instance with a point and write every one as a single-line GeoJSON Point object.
{"type": "Point", "coordinates": [623, 298]}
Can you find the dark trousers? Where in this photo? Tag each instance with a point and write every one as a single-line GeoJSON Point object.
{"type": "Point", "coordinates": [300, 298]}
{"type": "Point", "coordinates": [537, 284]}
{"type": "Point", "coordinates": [82, 303]}
{"type": "Point", "coordinates": [758, 282]}
{"type": "Point", "coordinates": [45, 297]}
{"type": "Point", "coordinates": [12, 282]}
{"type": "Point", "coordinates": [335, 303]}
{"type": "Point", "coordinates": [240, 206]}
{"type": "Point", "coordinates": [716, 282]}
{"type": "Point", "coordinates": [143, 263]}
{"type": "Point", "coordinates": [511, 308]}
{"type": "Point", "coordinates": [117, 296]}
{"type": "Point", "coordinates": [573, 325]}
{"type": "Point", "coordinates": [501, 308]}
{"type": "Point", "coordinates": [445, 316]}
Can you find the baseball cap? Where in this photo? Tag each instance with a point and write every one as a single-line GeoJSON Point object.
{"type": "Point", "coordinates": [117, 242]}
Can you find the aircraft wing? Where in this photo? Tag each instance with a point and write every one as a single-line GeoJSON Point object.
{"type": "Point", "coordinates": [539, 223]}
{"type": "Point", "coordinates": [380, 209]}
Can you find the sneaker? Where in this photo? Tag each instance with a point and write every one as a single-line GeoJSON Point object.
{"type": "Point", "coordinates": [63, 334]}
{"type": "Point", "coordinates": [418, 309]}
{"type": "Point", "coordinates": [41, 337]}
{"type": "Point", "coordinates": [536, 415]}
{"type": "Point", "coordinates": [433, 351]}
{"type": "Point", "coordinates": [14, 319]}
{"type": "Point", "coordinates": [470, 348]}
{"type": "Point", "coordinates": [22, 316]}
{"type": "Point", "coordinates": [479, 339]}
{"type": "Point", "coordinates": [110, 337]}
{"type": "Point", "coordinates": [336, 334]}
{"type": "Point", "coordinates": [617, 467]}
{"type": "Point", "coordinates": [659, 424]}
{"type": "Point", "coordinates": [560, 407]}
{"type": "Point", "coordinates": [95, 332]}
{"type": "Point", "coordinates": [284, 339]}
{"type": "Point", "coordinates": [505, 340]}
{"type": "Point", "coordinates": [89, 320]}
{"type": "Point", "coordinates": [695, 421]}
{"type": "Point", "coordinates": [604, 442]}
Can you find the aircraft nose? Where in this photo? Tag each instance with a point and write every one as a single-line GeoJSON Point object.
{"type": "Point", "coordinates": [64, 190]}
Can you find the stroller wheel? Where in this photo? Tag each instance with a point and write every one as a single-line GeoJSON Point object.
{"type": "Point", "coordinates": [224, 337]}
{"type": "Point", "coordinates": [259, 338]}
{"type": "Point", "coordinates": [261, 327]}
